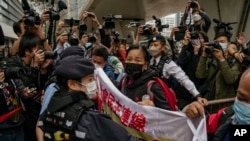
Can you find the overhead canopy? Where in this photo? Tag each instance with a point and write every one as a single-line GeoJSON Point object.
{"type": "Point", "coordinates": [135, 9]}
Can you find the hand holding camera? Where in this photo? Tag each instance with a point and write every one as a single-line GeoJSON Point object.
{"type": "Point", "coordinates": [29, 92]}
{"type": "Point", "coordinates": [45, 17]}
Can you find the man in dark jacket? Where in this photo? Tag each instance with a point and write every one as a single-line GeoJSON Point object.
{"type": "Point", "coordinates": [241, 109]}
{"type": "Point", "coordinates": [70, 114]}
{"type": "Point", "coordinates": [32, 60]}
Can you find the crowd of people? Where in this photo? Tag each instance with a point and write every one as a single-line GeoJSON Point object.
{"type": "Point", "coordinates": [50, 93]}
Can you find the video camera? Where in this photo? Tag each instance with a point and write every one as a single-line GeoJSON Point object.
{"type": "Point", "coordinates": [54, 15]}
{"type": "Point", "coordinates": [32, 18]}
{"type": "Point", "coordinates": [211, 47]}
{"type": "Point", "coordinates": [159, 25]}
{"type": "Point", "coordinates": [11, 72]}
{"type": "Point", "coordinates": [109, 20]}
{"type": "Point", "coordinates": [223, 28]}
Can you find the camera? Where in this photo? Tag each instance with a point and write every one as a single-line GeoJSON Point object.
{"type": "Point", "coordinates": [194, 35]}
{"type": "Point", "coordinates": [109, 20]}
{"type": "Point", "coordinates": [32, 19]}
{"type": "Point", "coordinates": [246, 61]}
{"type": "Point", "coordinates": [159, 25]}
{"type": "Point", "coordinates": [92, 38]}
{"type": "Point", "coordinates": [223, 28]}
{"type": "Point", "coordinates": [54, 15]}
{"type": "Point", "coordinates": [193, 4]}
{"type": "Point", "coordinates": [211, 47]}
{"type": "Point", "coordinates": [50, 54]}
{"type": "Point", "coordinates": [11, 72]}
{"type": "Point", "coordinates": [179, 35]}
{"type": "Point", "coordinates": [91, 15]}
{"type": "Point", "coordinates": [147, 31]}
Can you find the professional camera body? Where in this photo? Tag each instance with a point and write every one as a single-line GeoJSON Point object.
{"type": "Point", "coordinates": [32, 18]}
{"type": "Point", "coordinates": [211, 47]}
{"type": "Point", "coordinates": [159, 25]}
{"type": "Point", "coordinates": [194, 35]}
{"type": "Point", "coordinates": [147, 30]}
{"type": "Point", "coordinates": [11, 72]}
{"type": "Point", "coordinates": [193, 4]}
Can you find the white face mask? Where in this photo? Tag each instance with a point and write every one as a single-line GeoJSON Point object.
{"type": "Point", "coordinates": [91, 89]}
{"type": "Point", "coordinates": [196, 17]}
{"type": "Point", "coordinates": [98, 66]}
{"type": "Point", "coordinates": [153, 51]}
{"type": "Point", "coordinates": [223, 46]}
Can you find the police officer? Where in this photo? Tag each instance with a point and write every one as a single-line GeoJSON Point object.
{"type": "Point", "coordinates": [166, 67]}
{"type": "Point", "coordinates": [70, 114]}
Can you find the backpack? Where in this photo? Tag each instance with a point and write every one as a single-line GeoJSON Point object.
{"type": "Point", "coordinates": [168, 93]}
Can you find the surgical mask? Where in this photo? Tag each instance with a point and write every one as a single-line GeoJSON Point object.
{"type": "Point", "coordinates": [91, 89]}
{"type": "Point", "coordinates": [133, 70]}
{"type": "Point", "coordinates": [153, 51]}
{"type": "Point", "coordinates": [241, 111]}
{"type": "Point", "coordinates": [223, 46]}
{"type": "Point", "coordinates": [196, 17]}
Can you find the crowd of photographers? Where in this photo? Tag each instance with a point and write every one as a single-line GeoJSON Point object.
{"type": "Point", "coordinates": [201, 69]}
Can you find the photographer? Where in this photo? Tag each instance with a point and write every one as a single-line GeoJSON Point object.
{"type": "Point", "coordinates": [198, 16]}
{"type": "Point", "coordinates": [188, 60]}
{"type": "Point", "coordinates": [221, 71]}
{"type": "Point", "coordinates": [31, 58]}
{"type": "Point", "coordinates": [117, 48]}
{"type": "Point", "coordinates": [146, 30]}
{"type": "Point", "coordinates": [37, 29]}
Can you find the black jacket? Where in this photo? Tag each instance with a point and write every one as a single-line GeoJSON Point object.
{"type": "Point", "coordinates": [30, 78]}
{"type": "Point", "coordinates": [90, 123]}
{"type": "Point", "coordinates": [138, 88]}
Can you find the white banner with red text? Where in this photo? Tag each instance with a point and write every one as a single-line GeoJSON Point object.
{"type": "Point", "coordinates": [146, 122]}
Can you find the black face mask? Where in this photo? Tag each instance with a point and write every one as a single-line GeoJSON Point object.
{"type": "Point", "coordinates": [133, 70]}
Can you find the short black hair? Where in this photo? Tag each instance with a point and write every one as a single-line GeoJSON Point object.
{"type": "Point", "coordinates": [204, 35]}
{"type": "Point", "coordinates": [28, 41]}
{"type": "Point", "coordinates": [223, 34]}
{"type": "Point", "coordinates": [101, 51]}
{"type": "Point", "coordinates": [17, 27]}
{"type": "Point", "coordinates": [143, 49]}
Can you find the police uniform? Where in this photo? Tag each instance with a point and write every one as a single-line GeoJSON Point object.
{"type": "Point", "coordinates": [169, 68]}
{"type": "Point", "coordinates": [72, 116]}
